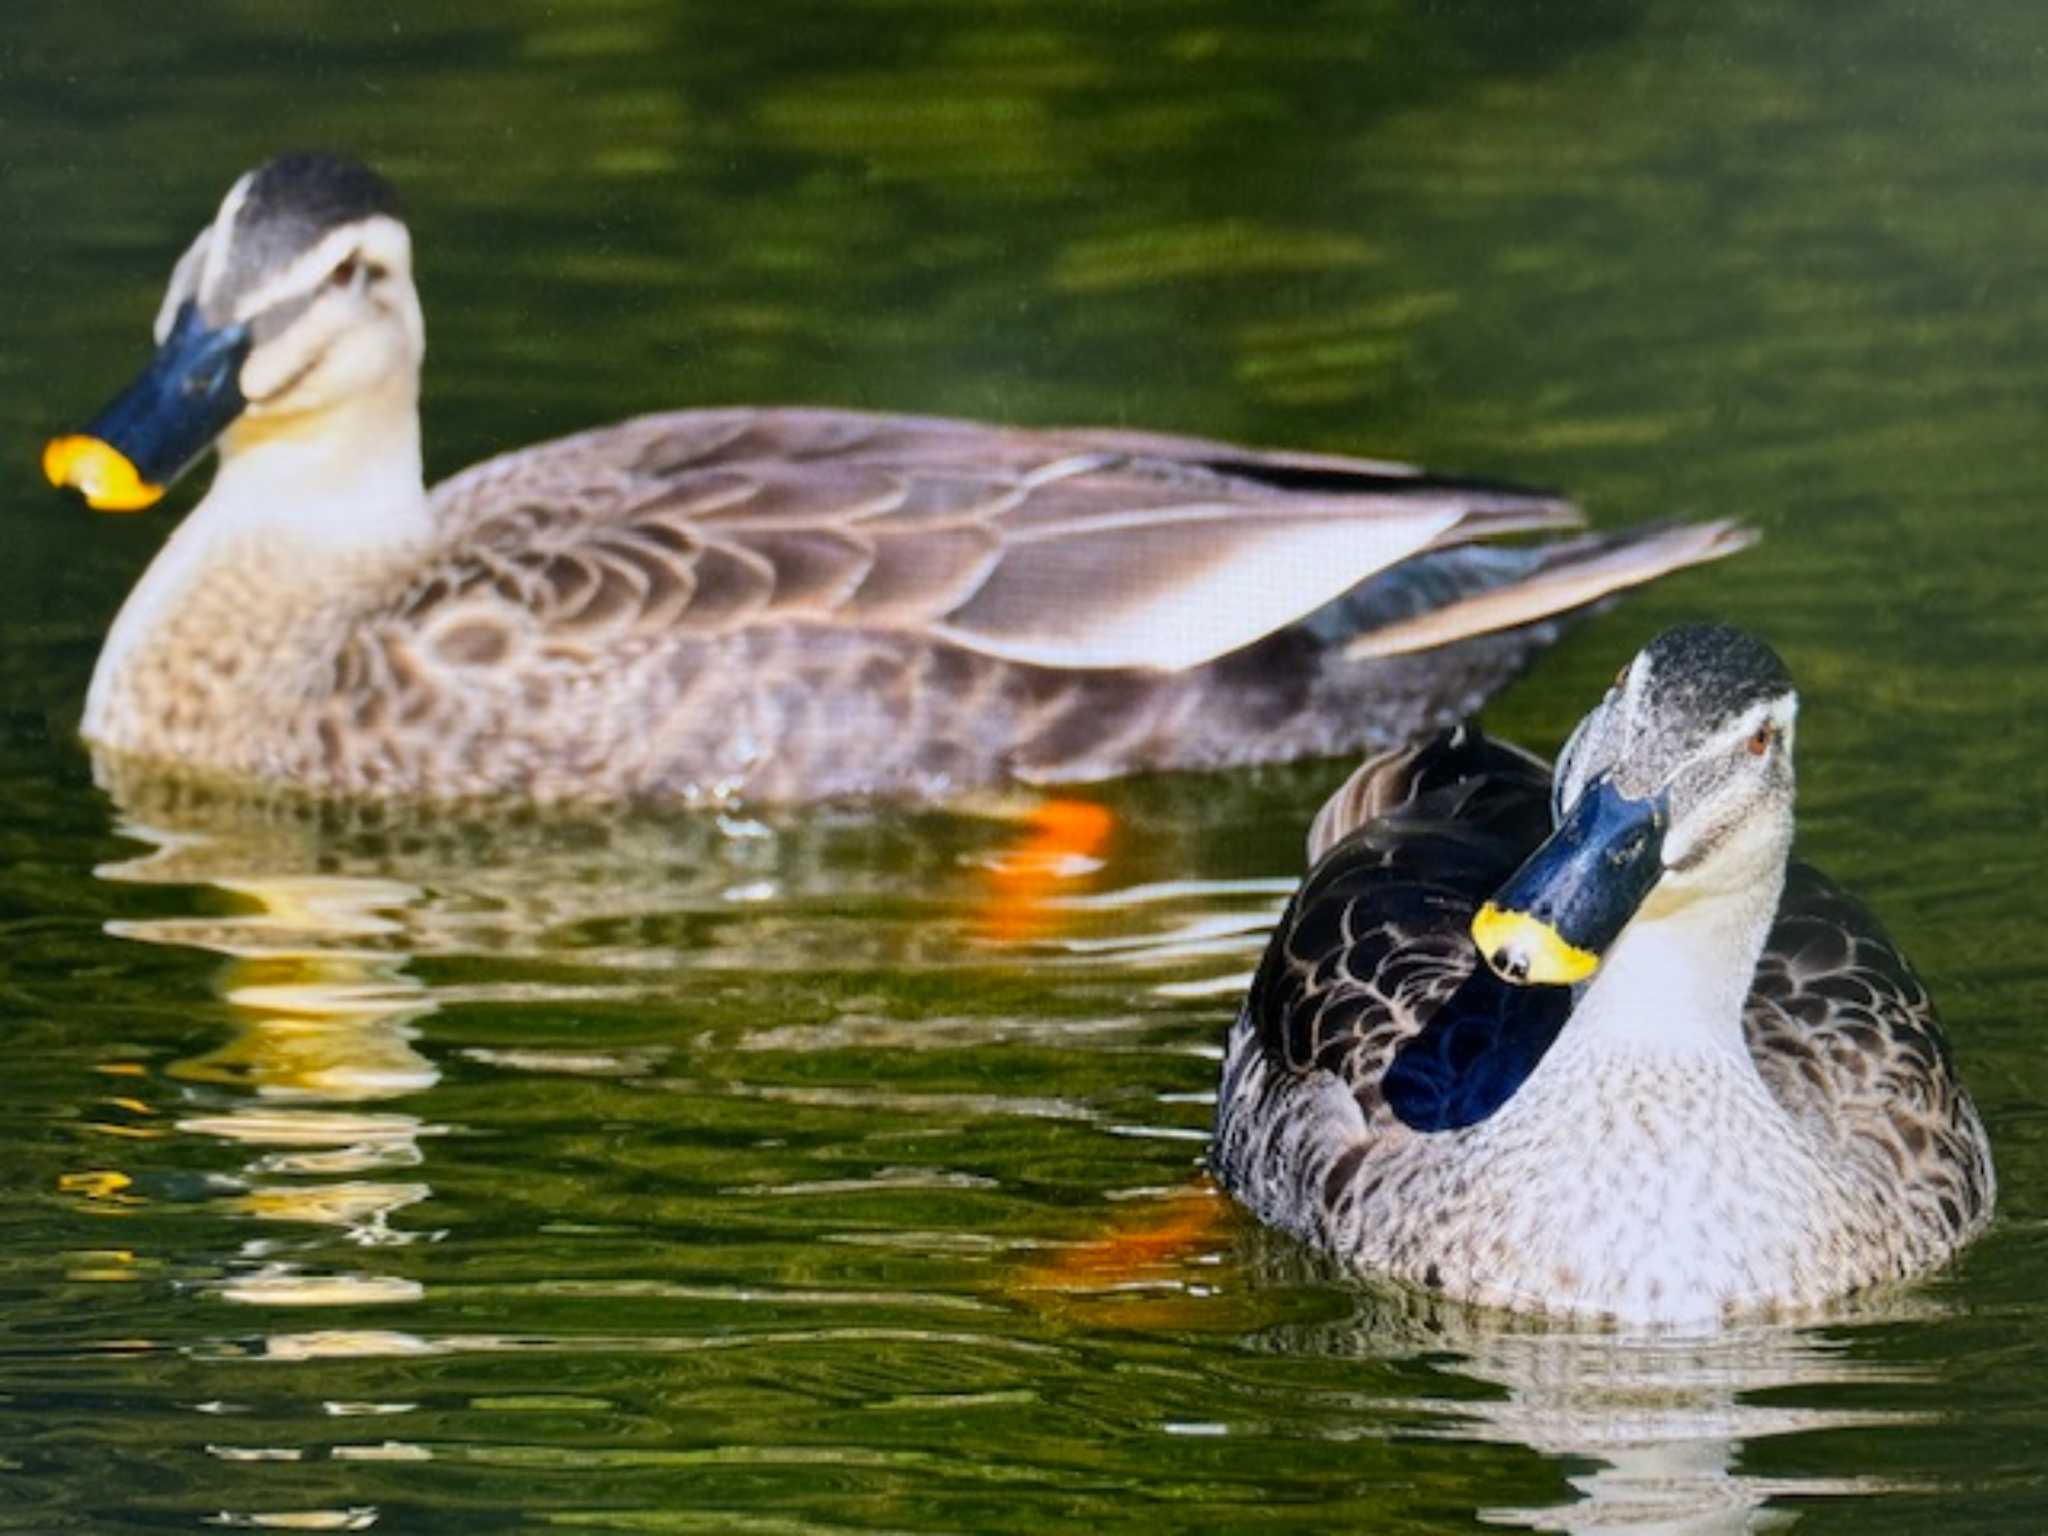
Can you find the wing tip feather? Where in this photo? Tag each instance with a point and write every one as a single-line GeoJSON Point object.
{"type": "Point", "coordinates": [1582, 572]}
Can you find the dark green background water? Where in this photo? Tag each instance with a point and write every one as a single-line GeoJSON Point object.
{"type": "Point", "coordinates": [675, 1176]}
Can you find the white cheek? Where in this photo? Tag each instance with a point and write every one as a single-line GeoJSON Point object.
{"type": "Point", "coordinates": [272, 369]}
{"type": "Point", "coordinates": [345, 360]}
{"type": "Point", "coordinates": [1678, 852]}
{"type": "Point", "coordinates": [1733, 844]}
{"type": "Point", "coordinates": [356, 358]}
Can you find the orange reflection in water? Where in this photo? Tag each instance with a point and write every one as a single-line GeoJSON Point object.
{"type": "Point", "coordinates": [1062, 843]}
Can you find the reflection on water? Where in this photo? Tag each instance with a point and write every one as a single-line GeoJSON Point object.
{"type": "Point", "coordinates": [1664, 1423]}
{"type": "Point", "coordinates": [373, 1172]}
{"type": "Point", "coordinates": [1656, 1427]}
{"type": "Point", "coordinates": [321, 1020]}
{"type": "Point", "coordinates": [347, 945]}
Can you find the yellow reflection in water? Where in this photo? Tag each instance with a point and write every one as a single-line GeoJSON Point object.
{"type": "Point", "coordinates": [325, 1016]}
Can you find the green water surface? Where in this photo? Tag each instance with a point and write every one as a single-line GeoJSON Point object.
{"type": "Point", "coordinates": [686, 1174]}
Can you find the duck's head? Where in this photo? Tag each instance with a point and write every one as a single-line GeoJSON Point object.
{"type": "Point", "coordinates": [1677, 787]}
{"type": "Point", "coordinates": [294, 300]}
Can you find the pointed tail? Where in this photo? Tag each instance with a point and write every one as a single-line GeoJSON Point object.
{"type": "Point", "coordinates": [1559, 578]}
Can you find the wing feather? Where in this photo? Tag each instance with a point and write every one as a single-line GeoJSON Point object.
{"type": "Point", "coordinates": [1371, 961]}
{"type": "Point", "coordinates": [816, 570]}
{"type": "Point", "coordinates": [911, 579]}
{"type": "Point", "coordinates": [1847, 1039]}
{"type": "Point", "coordinates": [1375, 942]}
{"type": "Point", "coordinates": [1078, 549]}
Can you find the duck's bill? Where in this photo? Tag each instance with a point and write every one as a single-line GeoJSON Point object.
{"type": "Point", "coordinates": [1558, 914]}
{"type": "Point", "coordinates": [159, 425]}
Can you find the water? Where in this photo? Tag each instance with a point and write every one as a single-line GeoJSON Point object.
{"type": "Point", "coordinates": [670, 1175]}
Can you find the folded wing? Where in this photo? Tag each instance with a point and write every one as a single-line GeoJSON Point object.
{"type": "Point", "coordinates": [1068, 549]}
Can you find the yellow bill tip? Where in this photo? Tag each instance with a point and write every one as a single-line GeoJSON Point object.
{"type": "Point", "coordinates": [1527, 951]}
{"type": "Point", "coordinates": [100, 472]}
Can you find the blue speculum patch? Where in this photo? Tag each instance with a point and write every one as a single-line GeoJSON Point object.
{"type": "Point", "coordinates": [1475, 1053]}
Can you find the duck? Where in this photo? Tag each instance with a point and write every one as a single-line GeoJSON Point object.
{"type": "Point", "coordinates": [775, 605]}
{"type": "Point", "coordinates": [1588, 1043]}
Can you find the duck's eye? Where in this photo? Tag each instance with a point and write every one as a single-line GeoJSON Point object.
{"type": "Point", "coordinates": [344, 276]}
{"type": "Point", "coordinates": [1760, 739]}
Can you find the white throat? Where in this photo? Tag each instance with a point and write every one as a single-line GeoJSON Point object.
{"type": "Point", "coordinates": [344, 482]}
{"type": "Point", "coordinates": [298, 509]}
{"type": "Point", "coordinates": [1675, 982]}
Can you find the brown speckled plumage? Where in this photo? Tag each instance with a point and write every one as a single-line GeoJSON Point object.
{"type": "Point", "coordinates": [1851, 1155]}
{"type": "Point", "coordinates": [776, 604]}
{"type": "Point", "coordinates": [788, 605]}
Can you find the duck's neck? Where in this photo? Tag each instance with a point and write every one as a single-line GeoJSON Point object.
{"type": "Point", "coordinates": [301, 514]}
{"type": "Point", "coordinates": [347, 483]}
{"type": "Point", "coordinates": [1675, 982]}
